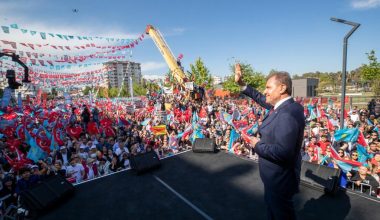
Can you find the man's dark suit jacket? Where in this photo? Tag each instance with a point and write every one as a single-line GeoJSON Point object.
{"type": "Point", "coordinates": [281, 134]}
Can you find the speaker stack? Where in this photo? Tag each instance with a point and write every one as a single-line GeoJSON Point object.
{"type": "Point", "coordinates": [320, 177]}
{"type": "Point", "coordinates": [204, 145]}
{"type": "Point", "coordinates": [144, 162]}
{"type": "Point", "coordinates": [46, 195]}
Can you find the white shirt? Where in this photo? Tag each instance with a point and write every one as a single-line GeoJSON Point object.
{"type": "Point", "coordinates": [355, 117]}
{"type": "Point", "coordinates": [242, 88]}
{"type": "Point", "coordinates": [65, 159]}
{"type": "Point", "coordinates": [76, 171]}
{"type": "Point", "coordinates": [281, 101]}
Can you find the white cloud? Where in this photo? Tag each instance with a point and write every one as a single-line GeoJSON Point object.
{"type": "Point", "coordinates": [174, 32]}
{"type": "Point", "coordinates": [365, 4]}
{"type": "Point", "coordinates": [178, 30]}
{"type": "Point", "coordinates": [152, 66]}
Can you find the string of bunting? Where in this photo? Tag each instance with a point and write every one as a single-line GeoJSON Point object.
{"type": "Point", "coordinates": [66, 58]}
{"type": "Point", "coordinates": [71, 47]}
{"type": "Point", "coordinates": [44, 35]}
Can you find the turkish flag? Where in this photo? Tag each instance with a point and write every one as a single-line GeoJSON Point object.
{"type": "Point", "coordinates": [361, 140]}
{"type": "Point", "coordinates": [74, 131]}
{"type": "Point", "coordinates": [10, 116]}
{"type": "Point", "coordinates": [330, 126]}
{"type": "Point", "coordinates": [109, 131]}
{"type": "Point", "coordinates": [92, 128]}
{"type": "Point", "coordinates": [44, 144]}
{"type": "Point", "coordinates": [203, 113]}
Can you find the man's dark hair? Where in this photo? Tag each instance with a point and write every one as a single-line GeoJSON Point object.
{"type": "Point", "coordinates": [283, 78]}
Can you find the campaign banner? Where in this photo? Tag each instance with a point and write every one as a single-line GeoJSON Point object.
{"type": "Point", "coordinates": [6, 97]}
{"type": "Point", "coordinates": [19, 100]}
{"type": "Point", "coordinates": [67, 98]}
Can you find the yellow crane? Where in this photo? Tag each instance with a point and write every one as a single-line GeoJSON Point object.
{"type": "Point", "coordinates": [170, 59]}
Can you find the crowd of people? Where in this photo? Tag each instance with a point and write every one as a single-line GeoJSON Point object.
{"type": "Point", "coordinates": [83, 140]}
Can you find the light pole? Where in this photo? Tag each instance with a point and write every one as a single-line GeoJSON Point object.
{"type": "Point", "coordinates": [344, 66]}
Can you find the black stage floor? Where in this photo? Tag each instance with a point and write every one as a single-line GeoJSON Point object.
{"type": "Point", "coordinates": [200, 186]}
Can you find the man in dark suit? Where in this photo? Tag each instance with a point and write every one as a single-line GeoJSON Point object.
{"type": "Point", "coordinates": [279, 144]}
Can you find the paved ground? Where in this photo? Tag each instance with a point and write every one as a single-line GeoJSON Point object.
{"type": "Point", "coordinates": [200, 186]}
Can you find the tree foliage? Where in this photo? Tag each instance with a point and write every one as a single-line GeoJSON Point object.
{"type": "Point", "coordinates": [138, 89]}
{"type": "Point", "coordinates": [86, 90]}
{"type": "Point", "coordinates": [169, 79]}
{"type": "Point", "coordinates": [200, 74]}
{"type": "Point", "coordinates": [151, 86]}
{"type": "Point", "coordinates": [250, 77]}
{"type": "Point", "coordinates": [371, 72]}
{"type": "Point", "coordinates": [113, 92]}
{"type": "Point", "coordinates": [328, 81]}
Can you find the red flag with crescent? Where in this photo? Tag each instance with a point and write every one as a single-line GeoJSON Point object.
{"type": "Point", "coordinates": [109, 131]}
{"type": "Point", "coordinates": [92, 128]}
{"type": "Point", "coordinates": [10, 116]}
{"type": "Point", "coordinates": [74, 131]}
{"type": "Point", "coordinates": [44, 143]}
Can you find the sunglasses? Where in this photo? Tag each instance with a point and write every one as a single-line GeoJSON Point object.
{"type": "Point", "coordinates": [354, 155]}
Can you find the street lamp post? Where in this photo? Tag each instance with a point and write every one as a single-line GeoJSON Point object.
{"type": "Point", "coordinates": [344, 66]}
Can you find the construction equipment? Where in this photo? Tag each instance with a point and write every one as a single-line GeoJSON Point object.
{"type": "Point", "coordinates": [173, 63]}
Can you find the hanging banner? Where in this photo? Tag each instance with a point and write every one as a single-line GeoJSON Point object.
{"type": "Point", "coordinates": [44, 99]}
{"type": "Point", "coordinates": [19, 100]}
{"type": "Point", "coordinates": [91, 98]}
{"type": "Point", "coordinates": [189, 86]}
{"type": "Point", "coordinates": [38, 98]}
{"type": "Point", "coordinates": [6, 97]}
{"type": "Point", "coordinates": [67, 98]}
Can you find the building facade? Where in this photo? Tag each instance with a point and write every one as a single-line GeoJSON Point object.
{"type": "Point", "coordinates": [305, 87]}
{"type": "Point", "coordinates": [120, 71]}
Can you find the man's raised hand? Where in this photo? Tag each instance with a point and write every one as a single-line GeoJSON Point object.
{"type": "Point", "coordinates": [238, 75]}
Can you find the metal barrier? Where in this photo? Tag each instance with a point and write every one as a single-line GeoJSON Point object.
{"type": "Point", "coordinates": [362, 187]}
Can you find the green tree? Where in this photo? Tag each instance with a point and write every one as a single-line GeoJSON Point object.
{"type": "Point", "coordinates": [371, 72]}
{"type": "Point", "coordinates": [138, 90]}
{"type": "Point", "coordinates": [103, 92]}
{"type": "Point", "coordinates": [250, 77]}
{"type": "Point", "coordinates": [125, 91]}
{"type": "Point", "coordinates": [86, 90]}
{"type": "Point", "coordinates": [54, 92]}
{"type": "Point", "coordinates": [151, 86]}
{"type": "Point", "coordinates": [169, 79]}
{"type": "Point", "coordinates": [200, 75]}
{"type": "Point", "coordinates": [296, 77]}
{"type": "Point", "coordinates": [324, 83]}
{"type": "Point", "coordinates": [113, 92]}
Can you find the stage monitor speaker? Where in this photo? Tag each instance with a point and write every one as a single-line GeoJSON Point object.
{"type": "Point", "coordinates": [204, 145]}
{"type": "Point", "coordinates": [145, 162]}
{"type": "Point", "coordinates": [46, 194]}
{"type": "Point", "coordinates": [320, 176]}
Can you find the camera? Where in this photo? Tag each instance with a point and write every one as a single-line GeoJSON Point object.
{"type": "Point", "coordinates": [11, 76]}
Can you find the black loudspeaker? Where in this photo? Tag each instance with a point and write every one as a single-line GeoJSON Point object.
{"type": "Point", "coordinates": [203, 145]}
{"type": "Point", "coordinates": [320, 176]}
{"type": "Point", "coordinates": [145, 161]}
{"type": "Point", "coordinates": [47, 194]}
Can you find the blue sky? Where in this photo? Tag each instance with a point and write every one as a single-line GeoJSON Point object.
{"type": "Point", "coordinates": [295, 36]}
